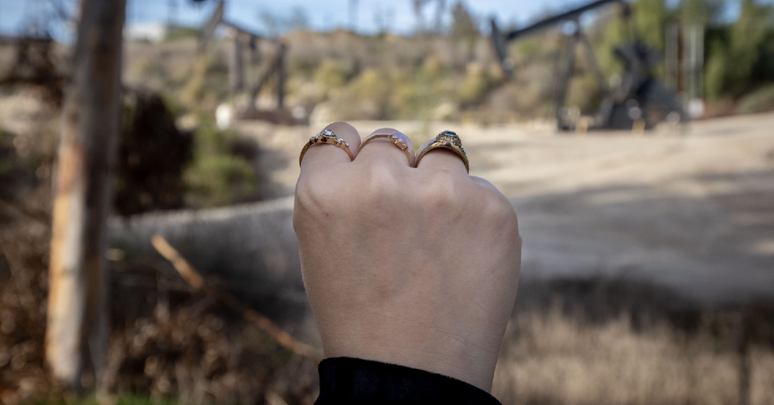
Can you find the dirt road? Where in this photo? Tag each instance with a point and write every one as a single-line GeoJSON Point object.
{"type": "Point", "coordinates": [690, 209]}
{"type": "Point", "coordinates": [694, 211]}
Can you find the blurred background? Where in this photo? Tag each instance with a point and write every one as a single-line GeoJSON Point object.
{"type": "Point", "coordinates": [634, 138]}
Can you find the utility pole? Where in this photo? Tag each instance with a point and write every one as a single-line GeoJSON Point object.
{"type": "Point", "coordinates": [77, 330]}
{"type": "Point", "coordinates": [439, 16]}
{"type": "Point", "coordinates": [418, 14]}
{"type": "Point", "coordinates": [236, 65]}
{"type": "Point", "coordinates": [353, 15]}
{"type": "Point", "coordinates": [171, 14]}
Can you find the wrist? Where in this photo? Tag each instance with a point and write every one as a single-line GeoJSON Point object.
{"type": "Point", "coordinates": [451, 356]}
{"type": "Point", "coordinates": [350, 380]}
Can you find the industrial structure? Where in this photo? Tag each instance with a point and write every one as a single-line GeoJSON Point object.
{"type": "Point", "coordinates": [637, 101]}
{"type": "Point", "coordinates": [249, 69]}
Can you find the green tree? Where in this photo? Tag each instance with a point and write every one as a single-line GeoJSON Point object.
{"type": "Point", "coordinates": [743, 57]}
{"type": "Point", "coordinates": [705, 12]}
{"type": "Point", "coordinates": [650, 18]}
{"type": "Point", "coordinates": [608, 32]}
{"type": "Point", "coordinates": [464, 30]}
{"type": "Point", "coordinates": [715, 70]}
{"type": "Point", "coordinates": [747, 40]}
{"type": "Point", "coordinates": [464, 25]}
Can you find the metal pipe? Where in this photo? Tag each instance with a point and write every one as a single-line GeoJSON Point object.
{"type": "Point", "coordinates": [570, 15]}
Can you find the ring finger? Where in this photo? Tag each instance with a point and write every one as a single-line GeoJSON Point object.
{"type": "Point", "coordinates": [444, 152]}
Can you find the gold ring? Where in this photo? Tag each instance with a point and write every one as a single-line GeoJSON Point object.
{"type": "Point", "coordinates": [326, 136]}
{"type": "Point", "coordinates": [446, 140]}
{"type": "Point", "coordinates": [400, 140]}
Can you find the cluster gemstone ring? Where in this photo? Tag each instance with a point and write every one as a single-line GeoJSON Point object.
{"type": "Point", "coordinates": [445, 140]}
{"type": "Point", "coordinates": [326, 137]}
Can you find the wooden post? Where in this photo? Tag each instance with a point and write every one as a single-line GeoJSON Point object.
{"type": "Point", "coordinates": [76, 336]}
{"type": "Point", "coordinates": [255, 78]}
{"type": "Point", "coordinates": [565, 69]}
{"type": "Point", "coordinates": [281, 76]}
{"type": "Point", "coordinates": [745, 366]}
{"type": "Point", "coordinates": [236, 65]}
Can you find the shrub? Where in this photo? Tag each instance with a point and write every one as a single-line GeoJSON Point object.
{"type": "Point", "coordinates": [329, 76]}
{"type": "Point", "coordinates": [207, 83]}
{"type": "Point", "coordinates": [476, 85]}
{"type": "Point", "coordinates": [152, 155]}
{"type": "Point", "coordinates": [758, 101]}
{"type": "Point", "coordinates": [216, 176]}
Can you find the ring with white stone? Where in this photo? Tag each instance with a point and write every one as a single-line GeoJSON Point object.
{"type": "Point", "coordinates": [326, 136]}
{"type": "Point", "coordinates": [400, 140]}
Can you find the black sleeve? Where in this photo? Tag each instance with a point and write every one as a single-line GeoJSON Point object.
{"type": "Point", "coordinates": [349, 381]}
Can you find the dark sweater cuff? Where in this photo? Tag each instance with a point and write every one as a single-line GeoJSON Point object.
{"type": "Point", "coordinates": [345, 380]}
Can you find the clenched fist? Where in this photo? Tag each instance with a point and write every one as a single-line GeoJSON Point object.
{"type": "Point", "coordinates": [411, 266]}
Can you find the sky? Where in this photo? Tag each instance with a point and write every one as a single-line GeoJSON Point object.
{"type": "Point", "coordinates": [394, 15]}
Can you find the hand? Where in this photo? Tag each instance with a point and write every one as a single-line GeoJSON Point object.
{"type": "Point", "coordinates": [411, 266]}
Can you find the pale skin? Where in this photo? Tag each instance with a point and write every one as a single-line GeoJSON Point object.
{"type": "Point", "coordinates": [411, 266]}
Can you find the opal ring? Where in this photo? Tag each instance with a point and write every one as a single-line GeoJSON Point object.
{"type": "Point", "coordinates": [447, 140]}
{"type": "Point", "coordinates": [326, 136]}
{"type": "Point", "coordinates": [400, 140]}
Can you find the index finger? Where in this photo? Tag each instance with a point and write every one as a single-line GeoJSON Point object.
{"type": "Point", "coordinates": [326, 155]}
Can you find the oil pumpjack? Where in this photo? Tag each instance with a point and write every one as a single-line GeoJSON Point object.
{"type": "Point", "coordinates": [638, 98]}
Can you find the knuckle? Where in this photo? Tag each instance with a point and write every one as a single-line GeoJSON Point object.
{"type": "Point", "coordinates": [381, 184]}
{"type": "Point", "coordinates": [307, 191]}
{"type": "Point", "coordinates": [500, 207]}
{"type": "Point", "coordinates": [304, 188]}
{"type": "Point", "coordinates": [316, 193]}
{"type": "Point", "coordinates": [443, 192]}
{"type": "Point", "coordinates": [499, 212]}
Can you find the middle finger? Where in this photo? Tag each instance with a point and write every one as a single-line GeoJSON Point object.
{"type": "Point", "coordinates": [387, 144]}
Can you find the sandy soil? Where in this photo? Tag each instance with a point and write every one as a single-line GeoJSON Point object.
{"type": "Point", "coordinates": [690, 208]}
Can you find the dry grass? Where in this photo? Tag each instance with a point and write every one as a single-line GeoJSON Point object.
{"type": "Point", "coordinates": [549, 357]}
{"type": "Point", "coordinates": [166, 343]}
{"type": "Point", "coordinates": [603, 343]}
